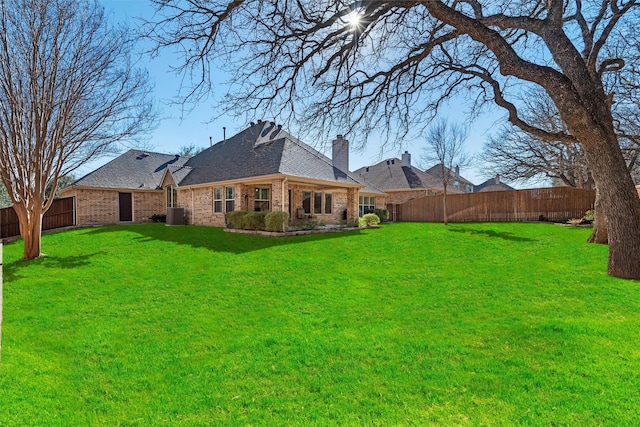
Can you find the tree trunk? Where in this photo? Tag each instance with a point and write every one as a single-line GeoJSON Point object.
{"type": "Point", "coordinates": [444, 203]}
{"type": "Point", "coordinates": [619, 201]}
{"type": "Point", "coordinates": [30, 229]}
{"type": "Point", "coordinates": [1, 290]}
{"type": "Point", "coordinates": [599, 234]}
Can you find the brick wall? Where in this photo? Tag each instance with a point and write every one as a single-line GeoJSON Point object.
{"type": "Point", "coordinates": [148, 203]}
{"type": "Point", "coordinates": [198, 203]}
{"type": "Point", "coordinates": [95, 206]}
{"type": "Point", "coordinates": [352, 205]}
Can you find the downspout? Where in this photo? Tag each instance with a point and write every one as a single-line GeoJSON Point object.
{"type": "Point", "coordinates": [284, 181]}
{"type": "Point", "coordinates": [193, 212]}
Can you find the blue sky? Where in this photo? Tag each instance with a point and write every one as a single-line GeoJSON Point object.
{"type": "Point", "coordinates": [177, 128]}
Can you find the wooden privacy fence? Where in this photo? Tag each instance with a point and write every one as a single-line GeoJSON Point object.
{"type": "Point", "coordinates": [60, 214]}
{"type": "Point", "coordinates": [518, 205]}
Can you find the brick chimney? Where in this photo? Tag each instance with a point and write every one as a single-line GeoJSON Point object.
{"type": "Point", "coordinates": [340, 153]}
{"type": "Point", "coordinates": [406, 159]}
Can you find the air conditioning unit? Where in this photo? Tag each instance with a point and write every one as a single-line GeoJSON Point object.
{"type": "Point", "coordinates": [175, 216]}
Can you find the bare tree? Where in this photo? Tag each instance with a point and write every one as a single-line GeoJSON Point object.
{"type": "Point", "coordinates": [189, 150]}
{"type": "Point", "coordinates": [68, 92]}
{"type": "Point", "coordinates": [403, 59]}
{"type": "Point", "coordinates": [518, 156]}
{"type": "Point", "coordinates": [445, 147]}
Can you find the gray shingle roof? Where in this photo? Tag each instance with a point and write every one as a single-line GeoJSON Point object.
{"type": "Point", "coordinates": [492, 184]}
{"type": "Point", "coordinates": [135, 169]}
{"type": "Point", "coordinates": [391, 175]}
{"type": "Point", "coordinates": [260, 150]}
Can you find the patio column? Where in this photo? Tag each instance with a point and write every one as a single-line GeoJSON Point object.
{"type": "Point", "coordinates": [352, 204]}
{"type": "Point", "coordinates": [278, 189]}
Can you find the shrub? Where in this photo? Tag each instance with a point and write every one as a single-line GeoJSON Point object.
{"type": "Point", "coordinates": [589, 215]}
{"type": "Point", "coordinates": [234, 219]}
{"type": "Point", "coordinates": [383, 214]}
{"type": "Point", "coordinates": [369, 220]}
{"type": "Point", "coordinates": [276, 221]}
{"type": "Point", "coordinates": [308, 225]}
{"type": "Point", "coordinates": [254, 221]}
{"type": "Point", "coordinates": [158, 218]}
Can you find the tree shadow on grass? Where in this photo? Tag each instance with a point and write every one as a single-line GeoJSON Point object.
{"type": "Point", "coordinates": [495, 234]}
{"type": "Point", "coordinates": [11, 271]}
{"type": "Point", "coordinates": [215, 238]}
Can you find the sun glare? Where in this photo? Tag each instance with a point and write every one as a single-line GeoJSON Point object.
{"type": "Point", "coordinates": [353, 19]}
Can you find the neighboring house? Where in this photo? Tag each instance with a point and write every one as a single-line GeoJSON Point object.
{"type": "Point", "coordinates": [262, 168]}
{"type": "Point", "coordinates": [456, 181]}
{"type": "Point", "coordinates": [400, 180]}
{"type": "Point", "coordinates": [492, 184]}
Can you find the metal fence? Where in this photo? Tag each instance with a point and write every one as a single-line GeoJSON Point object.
{"type": "Point", "coordinates": [535, 204]}
{"type": "Point", "coordinates": [60, 214]}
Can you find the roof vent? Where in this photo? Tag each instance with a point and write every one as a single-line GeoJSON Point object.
{"type": "Point", "coordinates": [268, 133]}
{"type": "Point", "coordinates": [266, 130]}
{"type": "Point", "coordinates": [142, 156]}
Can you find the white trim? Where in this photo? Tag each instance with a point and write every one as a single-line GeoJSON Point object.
{"type": "Point", "coordinates": [266, 178]}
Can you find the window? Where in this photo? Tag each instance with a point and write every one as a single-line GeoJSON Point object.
{"type": "Point", "coordinates": [261, 202]}
{"type": "Point", "coordinates": [366, 204]}
{"type": "Point", "coordinates": [230, 196]}
{"type": "Point", "coordinates": [321, 203]}
{"type": "Point", "coordinates": [217, 200]}
{"type": "Point", "coordinates": [306, 202]}
{"type": "Point", "coordinates": [172, 197]}
{"type": "Point", "coordinates": [317, 202]}
{"type": "Point", "coordinates": [328, 203]}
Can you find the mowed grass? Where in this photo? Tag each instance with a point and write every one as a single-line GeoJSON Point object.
{"type": "Point", "coordinates": [409, 324]}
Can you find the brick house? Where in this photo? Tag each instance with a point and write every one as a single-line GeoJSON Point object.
{"type": "Point", "coordinates": [400, 180]}
{"type": "Point", "coordinates": [262, 168]}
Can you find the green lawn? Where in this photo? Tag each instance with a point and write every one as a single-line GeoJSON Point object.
{"type": "Point", "coordinates": [409, 324]}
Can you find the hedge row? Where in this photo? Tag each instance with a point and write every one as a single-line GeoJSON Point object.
{"type": "Point", "coordinates": [249, 220]}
